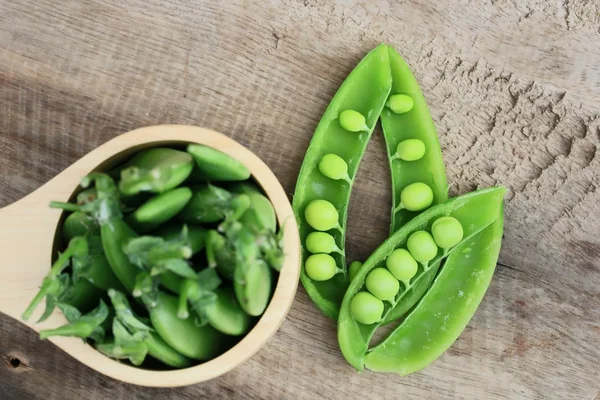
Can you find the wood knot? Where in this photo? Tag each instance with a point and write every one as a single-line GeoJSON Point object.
{"type": "Point", "coordinates": [16, 362]}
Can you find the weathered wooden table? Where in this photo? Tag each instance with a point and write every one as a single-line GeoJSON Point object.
{"type": "Point", "coordinates": [515, 93]}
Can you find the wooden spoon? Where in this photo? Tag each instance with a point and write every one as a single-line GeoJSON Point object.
{"type": "Point", "coordinates": [28, 229]}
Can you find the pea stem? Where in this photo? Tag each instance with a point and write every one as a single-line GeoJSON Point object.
{"type": "Point", "coordinates": [398, 208]}
{"type": "Point", "coordinates": [65, 206]}
{"type": "Point", "coordinates": [347, 179]}
{"type": "Point", "coordinates": [394, 157]}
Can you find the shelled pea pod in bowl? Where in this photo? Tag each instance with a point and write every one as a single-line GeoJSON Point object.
{"type": "Point", "coordinates": [432, 272]}
{"type": "Point", "coordinates": [168, 256]}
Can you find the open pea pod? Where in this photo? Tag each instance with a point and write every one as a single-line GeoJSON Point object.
{"type": "Point", "coordinates": [445, 310]}
{"type": "Point", "coordinates": [340, 137]}
{"type": "Point", "coordinates": [475, 211]}
{"type": "Point", "coordinates": [406, 117]}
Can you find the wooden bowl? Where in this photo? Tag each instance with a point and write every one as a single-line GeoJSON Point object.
{"type": "Point", "coordinates": [28, 230]}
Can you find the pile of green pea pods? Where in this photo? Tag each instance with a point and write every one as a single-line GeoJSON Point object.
{"type": "Point", "coordinates": [171, 255]}
{"type": "Point", "coordinates": [432, 272]}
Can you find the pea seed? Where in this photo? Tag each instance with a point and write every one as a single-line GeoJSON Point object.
{"type": "Point", "coordinates": [410, 150]}
{"type": "Point", "coordinates": [353, 269]}
{"type": "Point", "coordinates": [320, 242]}
{"type": "Point", "coordinates": [352, 121]}
{"type": "Point", "coordinates": [321, 215]}
{"type": "Point", "coordinates": [422, 246]}
{"type": "Point", "coordinates": [334, 167]}
{"type": "Point", "coordinates": [447, 232]}
{"type": "Point", "coordinates": [416, 197]}
{"type": "Point", "coordinates": [400, 103]}
{"type": "Point", "coordinates": [320, 267]}
{"type": "Point", "coordinates": [402, 265]}
{"type": "Point", "coordinates": [382, 284]}
{"type": "Point", "coordinates": [366, 308]}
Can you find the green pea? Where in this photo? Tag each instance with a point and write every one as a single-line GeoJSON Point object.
{"type": "Point", "coordinates": [447, 232]}
{"type": "Point", "coordinates": [400, 103]}
{"type": "Point", "coordinates": [334, 167]}
{"type": "Point", "coordinates": [321, 215]}
{"type": "Point", "coordinates": [366, 308]}
{"type": "Point", "coordinates": [353, 121]}
{"type": "Point", "coordinates": [320, 267]}
{"type": "Point", "coordinates": [416, 197]}
{"type": "Point", "coordinates": [382, 284]}
{"type": "Point", "coordinates": [410, 150]}
{"type": "Point", "coordinates": [402, 265]}
{"type": "Point", "coordinates": [353, 269]}
{"type": "Point", "coordinates": [320, 242]}
{"type": "Point", "coordinates": [422, 246]}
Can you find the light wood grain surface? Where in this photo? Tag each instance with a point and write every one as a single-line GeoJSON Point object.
{"type": "Point", "coordinates": [514, 89]}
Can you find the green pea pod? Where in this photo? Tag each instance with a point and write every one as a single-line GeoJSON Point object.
{"type": "Point", "coordinates": [199, 291]}
{"type": "Point", "coordinates": [201, 343]}
{"type": "Point", "coordinates": [445, 310]}
{"type": "Point", "coordinates": [195, 233]}
{"type": "Point", "coordinates": [220, 254]}
{"type": "Point", "coordinates": [414, 123]}
{"type": "Point", "coordinates": [95, 267]}
{"type": "Point", "coordinates": [79, 224]}
{"type": "Point", "coordinates": [261, 213]}
{"type": "Point", "coordinates": [115, 235]}
{"type": "Point", "coordinates": [159, 210]}
{"type": "Point", "coordinates": [226, 315]}
{"type": "Point", "coordinates": [475, 211]}
{"type": "Point", "coordinates": [245, 187]}
{"type": "Point", "coordinates": [156, 346]}
{"type": "Point", "coordinates": [252, 286]}
{"type": "Point", "coordinates": [81, 326]}
{"type": "Point", "coordinates": [82, 295]}
{"type": "Point", "coordinates": [214, 165]}
{"type": "Point", "coordinates": [155, 170]}
{"type": "Point", "coordinates": [365, 90]}
{"type": "Point", "coordinates": [211, 203]}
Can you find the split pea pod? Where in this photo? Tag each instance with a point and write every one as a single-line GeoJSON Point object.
{"type": "Point", "coordinates": [445, 310]}
{"type": "Point", "coordinates": [407, 256]}
{"type": "Point", "coordinates": [330, 165]}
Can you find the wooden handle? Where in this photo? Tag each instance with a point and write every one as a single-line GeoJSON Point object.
{"type": "Point", "coordinates": [26, 236]}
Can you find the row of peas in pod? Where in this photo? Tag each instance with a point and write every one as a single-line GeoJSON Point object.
{"type": "Point", "coordinates": [431, 236]}
{"type": "Point", "coordinates": [169, 259]}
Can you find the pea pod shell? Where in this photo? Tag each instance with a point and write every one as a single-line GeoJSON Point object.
{"type": "Point", "coordinates": [414, 124]}
{"type": "Point", "coordinates": [445, 310]}
{"type": "Point", "coordinates": [365, 90]}
{"type": "Point", "coordinates": [475, 211]}
{"type": "Point", "coordinates": [196, 234]}
{"type": "Point", "coordinates": [82, 295]}
{"type": "Point", "coordinates": [78, 224]}
{"type": "Point", "coordinates": [101, 274]}
{"type": "Point", "coordinates": [200, 343]}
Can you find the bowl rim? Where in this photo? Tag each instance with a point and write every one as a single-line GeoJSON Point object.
{"type": "Point", "coordinates": [285, 289]}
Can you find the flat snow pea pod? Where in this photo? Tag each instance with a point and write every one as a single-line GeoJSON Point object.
{"type": "Point", "coordinates": [261, 213]}
{"type": "Point", "coordinates": [195, 233]}
{"type": "Point", "coordinates": [200, 343]}
{"type": "Point", "coordinates": [211, 203]}
{"type": "Point", "coordinates": [226, 315]}
{"type": "Point", "coordinates": [365, 91]}
{"type": "Point", "coordinates": [215, 165]}
{"type": "Point", "coordinates": [82, 295]}
{"type": "Point", "coordinates": [475, 211]}
{"type": "Point", "coordinates": [159, 210]}
{"type": "Point", "coordinates": [445, 310]}
{"type": "Point", "coordinates": [155, 170]}
{"type": "Point", "coordinates": [410, 119]}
